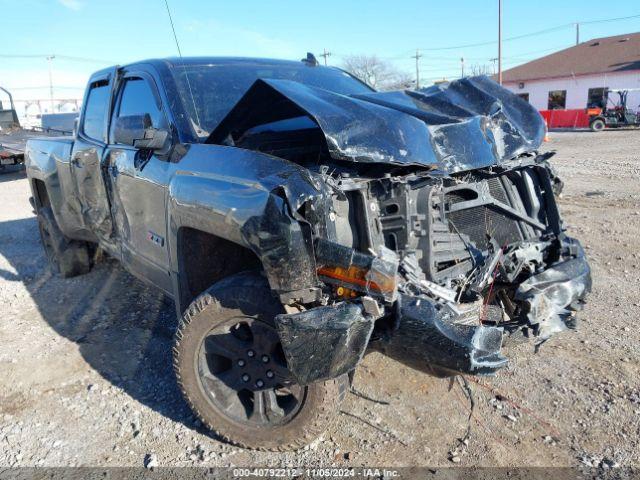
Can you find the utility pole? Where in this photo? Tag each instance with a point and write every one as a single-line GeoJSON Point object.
{"type": "Point", "coordinates": [417, 57]}
{"type": "Point", "coordinates": [500, 42]}
{"type": "Point", "coordinates": [493, 61]}
{"type": "Point", "coordinates": [325, 55]}
{"type": "Point", "coordinates": [461, 67]}
{"type": "Point", "coordinates": [577, 33]}
{"type": "Point", "coordinates": [49, 59]}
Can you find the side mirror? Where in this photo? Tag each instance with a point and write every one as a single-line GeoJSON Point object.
{"type": "Point", "coordinates": [137, 131]}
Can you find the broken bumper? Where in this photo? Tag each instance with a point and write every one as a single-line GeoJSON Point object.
{"type": "Point", "coordinates": [439, 338]}
{"type": "Point", "coordinates": [551, 297]}
{"type": "Point", "coordinates": [433, 338]}
{"type": "Point", "coordinates": [324, 342]}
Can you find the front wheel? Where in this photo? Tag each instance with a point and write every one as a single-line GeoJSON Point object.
{"type": "Point", "coordinates": [232, 371]}
{"type": "Point", "coordinates": [597, 125]}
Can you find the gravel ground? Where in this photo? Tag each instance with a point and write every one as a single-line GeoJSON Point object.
{"type": "Point", "coordinates": [86, 379]}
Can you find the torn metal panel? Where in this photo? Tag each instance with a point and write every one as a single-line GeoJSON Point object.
{"type": "Point", "coordinates": [436, 340]}
{"type": "Point", "coordinates": [552, 295]}
{"type": "Point", "coordinates": [325, 342]}
{"type": "Point", "coordinates": [466, 124]}
{"type": "Point", "coordinates": [474, 122]}
{"type": "Point", "coordinates": [250, 199]}
{"type": "Point", "coordinates": [277, 238]}
{"type": "Point", "coordinates": [354, 129]}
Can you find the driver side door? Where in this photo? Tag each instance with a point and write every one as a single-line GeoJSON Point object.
{"type": "Point", "coordinates": [139, 180]}
{"type": "Point", "coordinates": [87, 167]}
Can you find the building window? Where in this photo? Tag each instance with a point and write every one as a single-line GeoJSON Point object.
{"type": "Point", "coordinates": [557, 100]}
{"type": "Point", "coordinates": [597, 97]}
{"type": "Point", "coordinates": [524, 96]}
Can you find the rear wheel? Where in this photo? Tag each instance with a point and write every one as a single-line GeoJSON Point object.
{"type": "Point", "coordinates": [597, 125]}
{"type": "Point", "coordinates": [232, 371]}
{"type": "Point", "coordinates": [67, 257]}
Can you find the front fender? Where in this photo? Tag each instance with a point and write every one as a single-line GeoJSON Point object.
{"type": "Point", "coordinates": [250, 199]}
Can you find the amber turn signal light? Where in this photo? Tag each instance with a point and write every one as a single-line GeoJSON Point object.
{"type": "Point", "coordinates": [357, 277]}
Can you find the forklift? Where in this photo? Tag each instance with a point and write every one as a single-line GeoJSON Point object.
{"type": "Point", "coordinates": [613, 117]}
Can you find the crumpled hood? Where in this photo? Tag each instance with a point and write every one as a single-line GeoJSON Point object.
{"type": "Point", "coordinates": [457, 126]}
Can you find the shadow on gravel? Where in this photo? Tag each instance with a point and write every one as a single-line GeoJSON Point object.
{"type": "Point", "coordinates": [123, 328]}
{"type": "Point", "coordinates": [11, 173]}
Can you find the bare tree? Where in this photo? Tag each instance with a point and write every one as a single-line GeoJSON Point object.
{"type": "Point", "coordinates": [401, 81]}
{"type": "Point", "coordinates": [377, 73]}
{"type": "Point", "coordinates": [480, 69]}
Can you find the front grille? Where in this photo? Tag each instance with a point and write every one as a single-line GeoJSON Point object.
{"type": "Point", "coordinates": [430, 220]}
{"type": "Point", "coordinates": [480, 222]}
{"type": "Point", "coordinates": [497, 189]}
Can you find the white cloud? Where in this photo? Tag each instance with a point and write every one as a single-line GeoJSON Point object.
{"type": "Point", "coordinates": [72, 4]}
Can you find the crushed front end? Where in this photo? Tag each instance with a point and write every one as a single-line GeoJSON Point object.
{"type": "Point", "coordinates": [434, 261]}
{"type": "Point", "coordinates": [443, 268]}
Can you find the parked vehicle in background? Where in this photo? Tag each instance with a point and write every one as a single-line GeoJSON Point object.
{"type": "Point", "coordinates": [299, 219]}
{"type": "Point", "coordinates": [8, 115]}
{"type": "Point", "coordinates": [617, 116]}
{"type": "Point", "coordinates": [63, 123]}
{"type": "Point", "coordinates": [13, 136]}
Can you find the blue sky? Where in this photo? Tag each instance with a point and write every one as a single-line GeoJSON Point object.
{"type": "Point", "coordinates": [103, 32]}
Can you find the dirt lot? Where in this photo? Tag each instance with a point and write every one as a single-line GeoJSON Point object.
{"type": "Point", "coordinates": [86, 379]}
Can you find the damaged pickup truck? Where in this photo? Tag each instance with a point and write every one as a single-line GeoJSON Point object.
{"type": "Point", "coordinates": [299, 219]}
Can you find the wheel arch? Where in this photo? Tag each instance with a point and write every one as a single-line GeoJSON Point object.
{"type": "Point", "coordinates": [203, 258]}
{"type": "Point", "coordinates": [48, 171]}
{"type": "Point", "coordinates": [40, 193]}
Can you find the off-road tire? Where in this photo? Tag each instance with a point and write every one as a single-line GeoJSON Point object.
{"type": "Point", "coordinates": [597, 125]}
{"type": "Point", "coordinates": [68, 258]}
{"type": "Point", "coordinates": [247, 294]}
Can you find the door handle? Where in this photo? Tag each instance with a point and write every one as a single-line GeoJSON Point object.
{"type": "Point", "coordinates": [113, 169]}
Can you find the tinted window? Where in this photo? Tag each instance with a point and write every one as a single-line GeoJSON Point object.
{"type": "Point", "coordinates": [597, 98]}
{"type": "Point", "coordinates": [138, 99]}
{"type": "Point", "coordinates": [94, 112]}
{"type": "Point", "coordinates": [557, 100]}
{"type": "Point", "coordinates": [208, 92]}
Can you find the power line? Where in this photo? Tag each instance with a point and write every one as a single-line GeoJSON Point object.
{"type": "Point", "coordinates": [455, 60]}
{"type": "Point", "coordinates": [63, 57]}
{"type": "Point", "coordinates": [492, 42]}
{"type": "Point", "coordinates": [532, 34]}
{"type": "Point", "coordinates": [610, 20]}
{"type": "Point", "coordinates": [57, 87]}
{"type": "Point", "coordinates": [85, 59]}
{"type": "Point", "coordinates": [534, 52]}
{"type": "Point", "coordinates": [401, 56]}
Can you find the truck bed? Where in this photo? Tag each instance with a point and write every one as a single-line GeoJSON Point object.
{"type": "Point", "coordinates": [13, 143]}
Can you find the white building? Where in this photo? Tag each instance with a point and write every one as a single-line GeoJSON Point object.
{"type": "Point", "coordinates": [579, 76]}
